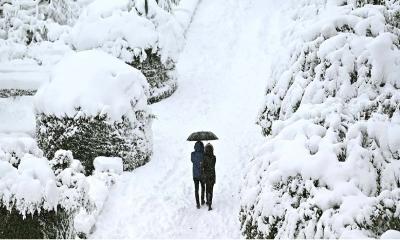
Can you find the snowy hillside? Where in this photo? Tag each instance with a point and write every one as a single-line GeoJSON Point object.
{"type": "Point", "coordinates": [330, 164]}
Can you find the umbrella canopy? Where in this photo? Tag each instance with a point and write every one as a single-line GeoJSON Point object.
{"type": "Point", "coordinates": [202, 136]}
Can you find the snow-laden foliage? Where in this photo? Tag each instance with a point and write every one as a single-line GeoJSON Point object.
{"type": "Point", "coordinates": [43, 31]}
{"type": "Point", "coordinates": [150, 42]}
{"type": "Point", "coordinates": [28, 27]}
{"type": "Point", "coordinates": [28, 21]}
{"type": "Point", "coordinates": [39, 198]}
{"type": "Point", "coordinates": [331, 165]}
{"type": "Point", "coordinates": [13, 148]}
{"type": "Point", "coordinates": [105, 175]}
{"type": "Point", "coordinates": [113, 120]}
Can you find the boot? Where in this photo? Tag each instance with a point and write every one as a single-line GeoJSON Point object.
{"type": "Point", "coordinates": [196, 194]}
{"type": "Point", "coordinates": [209, 207]}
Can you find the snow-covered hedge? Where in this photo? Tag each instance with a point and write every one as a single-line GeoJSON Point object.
{"type": "Point", "coordinates": [39, 198]}
{"type": "Point", "coordinates": [95, 105]}
{"type": "Point", "coordinates": [25, 24]}
{"type": "Point", "coordinates": [150, 42]}
{"type": "Point", "coordinates": [331, 165]}
{"type": "Point", "coordinates": [43, 31]}
{"type": "Point", "coordinates": [159, 76]}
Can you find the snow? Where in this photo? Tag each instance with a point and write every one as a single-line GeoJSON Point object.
{"type": "Point", "coordinates": [31, 185]}
{"type": "Point", "coordinates": [108, 164]}
{"type": "Point", "coordinates": [13, 146]}
{"type": "Point", "coordinates": [106, 32]}
{"type": "Point", "coordinates": [118, 86]}
{"type": "Point", "coordinates": [22, 75]}
{"type": "Point", "coordinates": [331, 134]}
{"type": "Point", "coordinates": [102, 25]}
{"type": "Point", "coordinates": [390, 234]}
{"type": "Point", "coordinates": [17, 115]}
{"type": "Point", "coordinates": [36, 168]}
{"type": "Point", "coordinates": [184, 12]}
{"type": "Point", "coordinates": [156, 200]}
{"type": "Point", "coordinates": [26, 188]}
{"type": "Point", "coordinates": [104, 8]}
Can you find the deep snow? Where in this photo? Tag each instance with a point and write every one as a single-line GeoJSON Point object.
{"type": "Point", "coordinates": [225, 59]}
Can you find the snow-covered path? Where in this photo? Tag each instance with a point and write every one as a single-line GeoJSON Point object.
{"type": "Point", "coordinates": [222, 73]}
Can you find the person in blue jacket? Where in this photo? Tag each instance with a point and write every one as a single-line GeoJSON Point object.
{"type": "Point", "coordinates": [197, 160]}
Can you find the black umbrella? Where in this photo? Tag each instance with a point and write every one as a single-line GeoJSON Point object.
{"type": "Point", "coordinates": [202, 136]}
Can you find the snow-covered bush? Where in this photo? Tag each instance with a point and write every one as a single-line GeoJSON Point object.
{"type": "Point", "coordinates": [159, 76]}
{"type": "Point", "coordinates": [31, 38]}
{"type": "Point", "coordinates": [13, 148]}
{"type": "Point", "coordinates": [28, 21]}
{"type": "Point", "coordinates": [105, 175]}
{"type": "Point", "coordinates": [150, 42]}
{"type": "Point", "coordinates": [330, 166]}
{"type": "Point", "coordinates": [38, 202]}
{"type": "Point", "coordinates": [95, 105]}
{"type": "Point", "coordinates": [43, 31]}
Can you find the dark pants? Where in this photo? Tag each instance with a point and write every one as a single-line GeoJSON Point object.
{"type": "Point", "coordinates": [209, 192]}
{"type": "Point", "coordinates": [196, 190]}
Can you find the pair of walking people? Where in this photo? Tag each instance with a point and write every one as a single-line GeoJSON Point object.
{"type": "Point", "coordinates": [203, 160]}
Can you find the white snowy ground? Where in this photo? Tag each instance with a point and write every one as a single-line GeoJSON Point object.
{"type": "Point", "coordinates": [222, 73]}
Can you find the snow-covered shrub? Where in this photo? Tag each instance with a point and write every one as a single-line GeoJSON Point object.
{"type": "Point", "coordinates": [43, 31]}
{"type": "Point", "coordinates": [159, 76]}
{"type": "Point", "coordinates": [63, 12]}
{"type": "Point", "coordinates": [105, 175]}
{"type": "Point", "coordinates": [150, 42]}
{"type": "Point", "coordinates": [28, 21]}
{"type": "Point", "coordinates": [13, 148]}
{"type": "Point", "coordinates": [330, 166]}
{"type": "Point", "coordinates": [35, 202]}
{"type": "Point", "coordinates": [32, 34]}
{"type": "Point", "coordinates": [95, 105]}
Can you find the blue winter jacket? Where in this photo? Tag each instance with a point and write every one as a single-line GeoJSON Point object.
{"type": "Point", "coordinates": [197, 159]}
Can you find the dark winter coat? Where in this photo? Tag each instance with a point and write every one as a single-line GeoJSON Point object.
{"type": "Point", "coordinates": [209, 168]}
{"type": "Point", "coordinates": [197, 159]}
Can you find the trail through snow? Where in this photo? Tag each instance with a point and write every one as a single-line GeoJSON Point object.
{"type": "Point", "coordinates": [222, 75]}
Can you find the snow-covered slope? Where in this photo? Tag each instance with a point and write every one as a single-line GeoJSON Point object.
{"type": "Point", "coordinates": [222, 73]}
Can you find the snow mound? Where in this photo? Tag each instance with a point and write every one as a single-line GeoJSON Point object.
{"type": "Point", "coordinates": [106, 174]}
{"type": "Point", "coordinates": [390, 234]}
{"type": "Point", "coordinates": [113, 34]}
{"type": "Point", "coordinates": [94, 82]}
{"type": "Point", "coordinates": [108, 164]}
{"type": "Point", "coordinates": [330, 166]}
{"type": "Point", "coordinates": [13, 147]}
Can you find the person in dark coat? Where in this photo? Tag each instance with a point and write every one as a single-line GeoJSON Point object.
{"type": "Point", "coordinates": [208, 171]}
{"type": "Point", "coordinates": [197, 160]}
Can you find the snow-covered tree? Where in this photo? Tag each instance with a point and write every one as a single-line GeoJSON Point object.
{"type": "Point", "coordinates": [330, 167]}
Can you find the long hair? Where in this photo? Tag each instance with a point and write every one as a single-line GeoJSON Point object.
{"type": "Point", "coordinates": [209, 149]}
